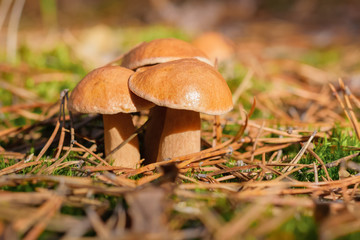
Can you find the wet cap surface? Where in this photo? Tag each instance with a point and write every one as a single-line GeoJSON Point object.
{"type": "Point", "coordinates": [184, 84]}
{"type": "Point", "coordinates": [160, 51]}
{"type": "Point", "coordinates": [105, 91]}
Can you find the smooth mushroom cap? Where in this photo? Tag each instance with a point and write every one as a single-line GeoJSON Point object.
{"type": "Point", "coordinates": [187, 84]}
{"type": "Point", "coordinates": [160, 51]}
{"type": "Point", "coordinates": [185, 87]}
{"type": "Point", "coordinates": [105, 91]}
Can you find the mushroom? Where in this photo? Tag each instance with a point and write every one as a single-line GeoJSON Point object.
{"type": "Point", "coordinates": [216, 46]}
{"type": "Point", "coordinates": [105, 91]}
{"type": "Point", "coordinates": [182, 88]}
{"type": "Point", "coordinates": [160, 51]}
{"type": "Point", "coordinates": [150, 53]}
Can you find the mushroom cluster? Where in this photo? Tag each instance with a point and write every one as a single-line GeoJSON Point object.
{"type": "Point", "coordinates": [172, 78]}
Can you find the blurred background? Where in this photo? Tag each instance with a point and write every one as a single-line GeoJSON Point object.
{"type": "Point", "coordinates": [283, 53]}
{"type": "Point", "coordinates": [98, 30]}
{"type": "Point", "coordinates": [52, 44]}
{"type": "Point", "coordinates": [48, 45]}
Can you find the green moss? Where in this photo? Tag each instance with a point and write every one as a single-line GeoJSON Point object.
{"type": "Point", "coordinates": [330, 150]}
{"type": "Point", "coordinates": [74, 211]}
{"type": "Point", "coordinates": [321, 57]}
{"type": "Point", "coordinates": [351, 236]}
{"type": "Point", "coordinates": [28, 186]}
{"type": "Point", "coordinates": [224, 208]}
{"type": "Point", "coordinates": [301, 226]}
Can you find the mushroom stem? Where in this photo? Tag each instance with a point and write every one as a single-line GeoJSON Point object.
{"type": "Point", "coordinates": [153, 133]}
{"type": "Point", "coordinates": [180, 135]}
{"type": "Point", "coordinates": [117, 128]}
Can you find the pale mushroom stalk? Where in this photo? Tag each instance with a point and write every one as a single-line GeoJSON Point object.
{"type": "Point", "coordinates": [117, 128]}
{"type": "Point", "coordinates": [153, 133]}
{"type": "Point", "coordinates": [180, 135]}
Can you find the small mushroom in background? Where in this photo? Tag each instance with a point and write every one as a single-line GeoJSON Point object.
{"type": "Point", "coordinates": [219, 49]}
{"type": "Point", "coordinates": [160, 51]}
{"type": "Point", "coordinates": [182, 89]}
{"type": "Point", "coordinates": [216, 46]}
{"type": "Point", "coordinates": [105, 91]}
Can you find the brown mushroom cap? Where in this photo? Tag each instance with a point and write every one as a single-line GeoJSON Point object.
{"type": "Point", "coordinates": [105, 91]}
{"type": "Point", "coordinates": [160, 51]}
{"type": "Point", "coordinates": [187, 84]}
{"type": "Point", "coordinates": [215, 45]}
